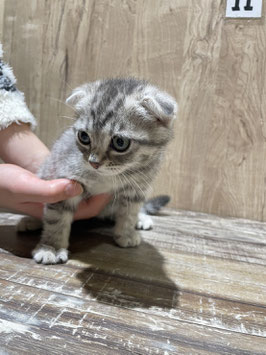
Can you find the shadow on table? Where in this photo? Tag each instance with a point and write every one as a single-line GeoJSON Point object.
{"type": "Point", "coordinates": [131, 277]}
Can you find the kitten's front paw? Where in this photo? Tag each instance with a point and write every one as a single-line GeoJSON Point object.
{"type": "Point", "coordinates": [145, 222]}
{"type": "Point", "coordinates": [28, 224]}
{"type": "Point", "coordinates": [45, 254]}
{"type": "Point", "coordinates": [127, 240]}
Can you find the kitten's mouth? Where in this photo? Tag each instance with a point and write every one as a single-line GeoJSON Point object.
{"type": "Point", "coordinates": [108, 171]}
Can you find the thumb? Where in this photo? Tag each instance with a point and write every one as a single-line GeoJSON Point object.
{"type": "Point", "coordinates": [53, 191]}
{"type": "Point", "coordinates": [92, 207]}
{"type": "Point", "coordinates": [24, 186]}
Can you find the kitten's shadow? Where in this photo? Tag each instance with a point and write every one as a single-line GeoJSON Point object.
{"type": "Point", "coordinates": [131, 277]}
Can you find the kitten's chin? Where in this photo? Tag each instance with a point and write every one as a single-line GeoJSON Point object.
{"type": "Point", "coordinates": [108, 172]}
{"type": "Point", "coordinates": [115, 171]}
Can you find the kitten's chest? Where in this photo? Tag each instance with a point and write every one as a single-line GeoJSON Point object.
{"type": "Point", "coordinates": [97, 185]}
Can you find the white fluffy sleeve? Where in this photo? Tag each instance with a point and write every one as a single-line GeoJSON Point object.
{"type": "Point", "coordinates": [12, 103]}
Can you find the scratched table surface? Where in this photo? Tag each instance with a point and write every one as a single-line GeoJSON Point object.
{"type": "Point", "coordinates": [196, 285]}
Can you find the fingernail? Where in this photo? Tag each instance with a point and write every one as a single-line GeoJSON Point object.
{"type": "Point", "coordinates": [73, 189]}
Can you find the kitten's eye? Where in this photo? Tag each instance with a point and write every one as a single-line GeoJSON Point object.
{"type": "Point", "coordinates": [120, 144]}
{"type": "Point", "coordinates": [84, 137]}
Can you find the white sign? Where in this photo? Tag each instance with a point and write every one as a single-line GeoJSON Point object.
{"type": "Point", "coordinates": [244, 8]}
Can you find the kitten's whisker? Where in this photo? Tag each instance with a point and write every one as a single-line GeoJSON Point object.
{"type": "Point", "coordinates": [65, 82]}
{"type": "Point", "coordinates": [127, 181]}
{"type": "Point", "coordinates": [143, 177]}
{"type": "Point", "coordinates": [138, 186]}
{"type": "Point", "coordinates": [126, 194]}
{"type": "Point", "coordinates": [62, 102]}
{"type": "Point", "coordinates": [114, 188]}
{"type": "Point", "coordinates": [71, 118]}
{"type": "Point", "coordinates": [123, 187]}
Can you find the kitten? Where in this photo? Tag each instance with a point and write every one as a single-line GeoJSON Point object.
{"type": "Point", "coordinates": [115, 146]}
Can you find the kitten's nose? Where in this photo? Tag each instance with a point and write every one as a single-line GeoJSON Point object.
{"type": "Point", "coordinates": [94, 160]}
{"type": "Point", "coordinates": [94, 165]}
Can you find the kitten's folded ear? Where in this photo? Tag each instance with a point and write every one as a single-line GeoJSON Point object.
{"type": "Point", "coordinates": [159, 105]}
{"type": "Point", "coordinates": [76, 96]}
{"type": "Point", "coordinates": [82, 95]}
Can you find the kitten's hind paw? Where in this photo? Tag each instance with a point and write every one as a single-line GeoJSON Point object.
{"type": "Point", "coordinates": [128, 240]}
{"type": "Point", "coordinates": [45, 254]}
{"type": "Point", "coordinates": [28, 224]}
{"type": "Point", "coordinates": [145, 222]}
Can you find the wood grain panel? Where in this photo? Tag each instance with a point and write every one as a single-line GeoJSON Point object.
{"type": "Point", "coordinates": [215, 67]}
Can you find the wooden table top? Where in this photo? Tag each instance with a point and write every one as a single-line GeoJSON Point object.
{"type": "Point", "coordinates": [196, 285]}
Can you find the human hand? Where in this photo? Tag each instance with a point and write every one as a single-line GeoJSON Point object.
{"type": "Point", "coordinates": [24, 192]}
{"type": "Point", "coordinates": [20, 146]}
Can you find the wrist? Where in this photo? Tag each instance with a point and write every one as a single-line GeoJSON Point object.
{"type": "Point", "coordinates": [20, 146]}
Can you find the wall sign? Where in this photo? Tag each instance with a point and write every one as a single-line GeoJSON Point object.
{"type": "Point", "coordinates": [244, 8]}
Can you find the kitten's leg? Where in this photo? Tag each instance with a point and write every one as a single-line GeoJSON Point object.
{"type": "Point", "coordinates": [144, 222]}
{"type": "Point", "coordinates": [53, 245]}
{"type": "Point", "coordinates": [28, 224]}
{"type": "Point", "coordinates": [125, 234]}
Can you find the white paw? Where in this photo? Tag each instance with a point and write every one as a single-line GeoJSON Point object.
{"type": "Point", "coordinates": [45, 254]}
{"type": "Point", "coordinates": [61, 256]}
{"type": "Point", "coordinates": [144, 222]}
{"type": "Point", "coordinates": [28, 224]}
{"type": "Point", "coordinates": [128, 240]}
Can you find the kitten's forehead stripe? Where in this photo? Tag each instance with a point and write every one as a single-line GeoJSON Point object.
{"type": "Point", "coordinates": [108, 116]}
{"type": "Point", "coordinates": [109, 98]}
{"type": "Point", "coordinates": [88, 125]}
{"type": "Point", "coordinates": [113, 106]}
{"type": "Point", "coordinates": [119, 103]}
{"type": "Point", "coordinates": [94, 99]}
{"type": "Point", "coordinates": [121, 126]}
{"type": "Point", "coordinates": [106, 97]}
{"type": "Point", "coordinates": [93, 114]}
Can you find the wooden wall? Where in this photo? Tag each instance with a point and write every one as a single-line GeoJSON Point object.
{"type": "Point", "coordinates": [215, 67]}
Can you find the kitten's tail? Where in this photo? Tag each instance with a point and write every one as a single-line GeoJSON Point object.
{"type": "Point", "coordinates": [153, 205]}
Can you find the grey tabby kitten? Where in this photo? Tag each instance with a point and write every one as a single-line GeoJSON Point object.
{"type": "Point", "coordinates": [115, 146]}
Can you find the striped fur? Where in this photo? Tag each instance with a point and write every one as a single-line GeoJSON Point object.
{"type": "Point", "coordinates": [12, 103]}
{"type": "Point", "coordinates": [132, 110]}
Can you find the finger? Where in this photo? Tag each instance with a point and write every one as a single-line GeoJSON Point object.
{"type": "Point", "coordinates": [31, 209]}
{"type": "Point", "coordinates": [37, 190]}
{"type": "Point", "coordinates": [92, 207]}
{"type": "Point", "coordinates": [87, 209]}
{"type": "Point", "coordinates": [24, 186]}
{"type": "Point", "coordinates": [58, 190]}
